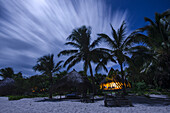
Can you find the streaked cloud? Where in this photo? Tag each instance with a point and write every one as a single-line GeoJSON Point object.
{"type": "Point", "coordinates": [30, 29]}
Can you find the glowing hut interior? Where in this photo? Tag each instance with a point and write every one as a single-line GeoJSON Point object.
{"type": "Point", "coordinates": [113, 82]}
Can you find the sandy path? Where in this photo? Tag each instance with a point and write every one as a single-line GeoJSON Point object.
{"type": "Point", "coordinates": [32, 106]}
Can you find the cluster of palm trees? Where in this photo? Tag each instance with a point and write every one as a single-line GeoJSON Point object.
{"type": "Point", "coordinates": [144, 54]}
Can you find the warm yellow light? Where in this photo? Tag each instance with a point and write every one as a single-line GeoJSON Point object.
{"type": "Point", "coordinates": [113, 85]}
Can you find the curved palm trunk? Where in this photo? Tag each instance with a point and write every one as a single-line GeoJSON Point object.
{"type": "Point", "coordinates": [93, 82]}
{"type": "Point", "coordinates": [50, 87]}
{"type": "Point", "coordinates": [123, 79]}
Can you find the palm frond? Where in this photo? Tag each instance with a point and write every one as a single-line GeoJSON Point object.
{"type": "Point", "coordinates": [142, 29]}
{"type": "Point", "coordinates": [128, 59]}
{"type": "Point", "coordinates": [114, 34]}
{"type": "Point", "coordinates": [58, 66]}
{"type": "Point", "coordinates": [67, 52]}
{"type": "Point", "coordinates": [108, 40]}
{"type": "Point", "coordinates": [75, 61]}
{"type": "Point", "coordinates": [136, 38]}
{"type": "Point", "coordinates": [121, 33]}
{"type": "Point", "coordinates": [74, 36]}
{"type": "Point", "coordinates": [40, 67]}
{"type": "Point", "coordinates": [73, 44]}
{"type": "Point", "coordinates": [104, 50]}
{"type": "Point", "coordinates": [69, 60]}
{"type": "Point", "coordinates": [95, 43]}
{"type": "Point", "coordinates": [166, 13]}
{"type": "Point", "coordinates": [7, 72]}
{"type": "Point", "coordinates": [139, 47]}
{"type": "Point", "coordinates": [149, 20]}
{"type": "Point", "coordinates": [35, 68]}
{"type": "Point", "coordinates": [100, 66]}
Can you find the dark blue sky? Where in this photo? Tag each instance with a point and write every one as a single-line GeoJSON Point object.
{"type": "Point", "coordinates": [138, 9]}
{"type": "Point", "coordinates": [33, 28]}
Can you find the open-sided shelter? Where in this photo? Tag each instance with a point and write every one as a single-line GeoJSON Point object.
{"type": "Point", "coordinates": [113, 83]}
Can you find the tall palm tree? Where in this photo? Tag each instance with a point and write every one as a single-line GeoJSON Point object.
{"type": "Point", "coordinates": [158, 33]}
{"type": "Point", "coordinates": [46, 66]}
{"type": "Point", "coordinates": [121, 46]}
{"type": "Point", "coordinates": [84, 51]}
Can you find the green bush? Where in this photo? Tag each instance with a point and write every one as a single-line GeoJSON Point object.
{"type": "Point", "coordinates": [139, 88]}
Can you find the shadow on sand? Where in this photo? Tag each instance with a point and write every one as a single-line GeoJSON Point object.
{"type": "Point", "coordinates": [135, 100]}
{"type": "Point", "coordinates": [149, 101]}
{"type": "Point", "coordinates": [65, 99]}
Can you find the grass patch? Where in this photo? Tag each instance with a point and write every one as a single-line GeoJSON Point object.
{"type": "Point", "coordinates": [166, 93]}
{"type": "Point", "coordinates": [18, 97]}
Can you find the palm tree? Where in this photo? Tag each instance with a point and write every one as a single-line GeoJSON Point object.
{"type": "Point", "coordinates": [47, 66]}
{"type": "Point", "coordinates": [85, 51]}
{"type": "Point", "coordinates": [121, 46]}
{"type": "Point", "coordinates": [158, 33]}
{"type": "Point", "coordinates": [7, 72]}
{"type": "Point", "coordinates": [135, 70]}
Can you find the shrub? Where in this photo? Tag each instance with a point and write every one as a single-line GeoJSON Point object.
{"type": "Point", "coordinates": [139, 88]}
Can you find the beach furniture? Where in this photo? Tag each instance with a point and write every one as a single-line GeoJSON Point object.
{"type": "Point", "coordinates": [116, 101]}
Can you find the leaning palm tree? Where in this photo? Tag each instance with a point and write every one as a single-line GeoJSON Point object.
{"type": "Point", "coordinates": [121, 46]}
{"type": "Point", "coordinates": [47, 66]}
{"type": "Point", "coordinates": [84, 51]}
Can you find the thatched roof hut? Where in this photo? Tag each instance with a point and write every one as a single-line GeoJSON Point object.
{"type": "Point", "coordinates": [6, 86]}
{"type": "Point", "coordinates": [72, 80]}
{"type": "Point", "coordinates": [114, 82]}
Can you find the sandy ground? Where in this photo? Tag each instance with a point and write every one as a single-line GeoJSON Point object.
{"type": "Point", "coordinates": [37, 105]}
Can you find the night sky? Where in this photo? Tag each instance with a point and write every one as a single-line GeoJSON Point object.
{"type": "Point", "coordinates": [30, 29]}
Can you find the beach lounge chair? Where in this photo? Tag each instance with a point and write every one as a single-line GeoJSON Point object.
{"type": "Point", "coordinates": [116, 101]}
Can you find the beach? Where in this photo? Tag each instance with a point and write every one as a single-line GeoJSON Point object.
{"type": "Point", "coordinates": [37, 105]}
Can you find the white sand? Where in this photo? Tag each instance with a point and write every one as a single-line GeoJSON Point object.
{"type": "Point", "coordinates": [31, 106]}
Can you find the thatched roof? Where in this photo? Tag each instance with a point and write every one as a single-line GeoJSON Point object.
{"type": "Point", "coordinates": [7, 82]}
{"type": "Point", "coordinates": [115, 77]}
{"type": "Point", "coordinates": [6, 86]}
{"type": "Point", "coordinates": [72, 79]}
{"type": "Point", "coordinates": [105, 81]}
